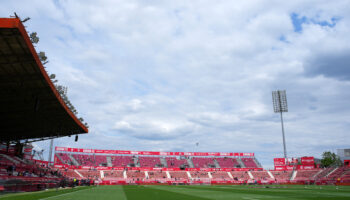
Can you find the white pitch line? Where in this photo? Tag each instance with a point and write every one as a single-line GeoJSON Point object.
{"type": "Point", "coordinates": [250, 198]}
{"type": "Point", "coordinates": [63, 194]}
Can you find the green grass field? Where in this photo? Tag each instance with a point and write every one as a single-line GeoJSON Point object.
{"type": "Point", "coordinates": [155, 192]}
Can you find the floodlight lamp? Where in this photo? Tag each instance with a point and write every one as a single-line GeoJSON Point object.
{"type": "Point", "coordinates": [279, 99]}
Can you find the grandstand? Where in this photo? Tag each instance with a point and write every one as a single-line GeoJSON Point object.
{"type": "Point", "coordinates": [31, 110]}
{"type": "Point", "coordinates": [189, 167]}
{"type": "Point", "coordinates": [147, 159]}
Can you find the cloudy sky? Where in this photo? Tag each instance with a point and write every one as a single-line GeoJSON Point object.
{"type": "Point", "coordinates": [164, 75]}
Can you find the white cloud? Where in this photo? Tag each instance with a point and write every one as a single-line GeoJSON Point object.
{"type": "Point", "coordinates": [153, 75]}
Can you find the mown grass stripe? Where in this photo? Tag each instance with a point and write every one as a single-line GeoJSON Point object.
{"type": "Point", "coordinates": [212, 194]}
{"type": "Point", "coordinates": [60, 195]}
{"type": "Point", "coordinates": [284, 193]}
{"type": "Point", "coordinates": [151, 193]}
{"type": "Point", "coordinates": [40, 194]}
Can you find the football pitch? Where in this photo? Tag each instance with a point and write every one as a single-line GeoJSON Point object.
{"type": "Point", "coordinates": [160, 192]}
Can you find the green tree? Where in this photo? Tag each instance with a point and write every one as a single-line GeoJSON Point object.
{"type": "Point", "coordinates": [329, 159]}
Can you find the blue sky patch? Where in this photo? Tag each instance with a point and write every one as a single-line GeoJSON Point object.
{"type": "Point", "coordinates": [283, 38]}
{"type": "Point", "coordinates": [334, 21]}
{"type": "Point", "coordinates": [298, 22]}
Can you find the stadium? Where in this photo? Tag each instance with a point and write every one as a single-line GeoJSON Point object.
{"type": "Point", "coordinates": [33, 108]}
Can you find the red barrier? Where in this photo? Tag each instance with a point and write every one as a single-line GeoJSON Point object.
{"type": "Point", "coordinates": [284, 168]}
{"type": "Point", "coordinates": [306, 167]}
{"type": "Point", "coordinates": [291, 167]}
{"type": "Point", "coordinates": [155, 168]}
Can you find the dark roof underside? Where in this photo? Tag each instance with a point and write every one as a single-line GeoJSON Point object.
{"type": "Point", "coordinates": [30, 107]}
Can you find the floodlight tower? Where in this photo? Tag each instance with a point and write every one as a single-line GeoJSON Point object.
{"type": "Point", "coordinates": [279, 99]}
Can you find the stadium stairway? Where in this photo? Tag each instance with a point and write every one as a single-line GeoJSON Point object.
{"type": "Point", "coordinates": [189, 174]}
{"type": "Point", "coordinates": [331, 172]}
{"type": "Point", "coordinates": [168, 174]}
{"type": "Point", "coordinates": [294, 174]}
{"type": "Point", "coordinates": [76, 171]}
{"type": "Point", "coordinates": [59, 157]}
{"type": "Point", "coordinates": [209, 174]}
{"type": "Point", "coordinates": [315, 175]}
{"type": "Point", "coordinates": [291, 175]}
{"type": "Point", "coordinates": [257, 162]}
{"type": "Point", "coordinates": [216, 163]}
{"type": "Point", "coordinates": [163, 162]}
{"type": "Point", "coordinates": [124, 174]}
{"type": "Point", "coordinates": [10, 158]}
{"type": "Point", "coordinates": [136, 161]}
{"type": "Point", "coordinates": [21, 160]}
{"type": "Point", "coordinates": [102, 174]}
{"type": "Point", "coordinates": [324, 173]}
{"type": "Point", "coordinates": [337, 173]}
{"type": "Point", "coordinates": [75, 162]}
{"type": "Point", "coordinates": [230, 175]}
{"type": "Point", "coordinates": [190, 163]}
{"type": "Point", "coordinates": [240, 163]}
{"type": "Point", "coordinates": [109, 161]}
{"type": "Point", "coordinates": [250, 175]}
{"type": "Point", "coordinates": [270, 174]}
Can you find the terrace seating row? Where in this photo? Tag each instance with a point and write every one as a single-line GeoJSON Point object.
{"type": "Point", "coordinates": [94, 160]}
{"type": "Point", "coordinates": [113, 174]}
{"type": "Point", "coordinates": [227, 162]}
{"type": "Point", "coordinates": [346, 174]}
{"type": "Point", "coordinates": [154, 161]}
{"type": "Point", "coordinates": [261, 175]}
{"type": "Point", "coordinates": [179, 175]}
{"type": "Point", "coordinates": [11, 167]}
{"type": "Point", "coordinates": [199, 174]}
{"type": "Point", "coordinates": [31, 175]}
{"type": "Point", "coordinates": [121, 161]}
{"type": "Point", "coordinates": [323, 173]}
{"type": "Point", "coordinates": [173, 162]}
{"type": "Point", "coordinates": [249, 162]}
{"type": "Point", "coordinates": [338, 173]}
{"type": "Point", "coordinates": [157, 174]}
{"type": "Point", "coordinates": [202, 162]}
{"type": "Point", "coordinates": [220, 175]}
{"type": "Point", "coordinates": [65, 159]}
{"type": "Point", "coordinates": [135, 174]}
{"type": "Point", "coordinates": [91, 174]}
{"type": "Point", "coordinates": [282, 175]}
{"type": "Point", "coordinates": [72, 174]}
{"type": "Point", "coordinates": [90, 160]}
{"type": "Point", "coordinates": [240, 175]}
{"type": "Point", "coordinates": [149, 161]}
{"type": "Point", "coordinates": [305, 174]}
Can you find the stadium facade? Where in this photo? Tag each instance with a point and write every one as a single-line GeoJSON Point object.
{"type": "Point", "coordinates": [151, 167]}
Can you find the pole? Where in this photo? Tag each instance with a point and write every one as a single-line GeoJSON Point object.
{"type": "Point", "coordinates": [50, 153]}
{"type": "Point", "coordinates": [284, 139]}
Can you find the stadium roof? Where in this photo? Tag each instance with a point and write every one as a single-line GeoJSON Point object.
{"type": "Point", "coordinates": [30, 106]}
